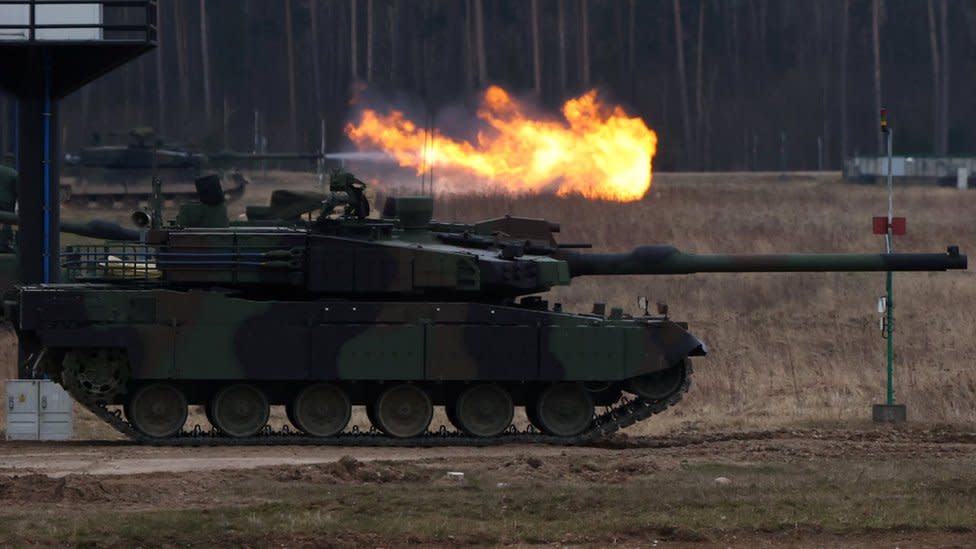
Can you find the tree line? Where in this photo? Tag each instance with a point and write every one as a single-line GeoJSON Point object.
{"type": "Point", "coordinates": [727, 84]}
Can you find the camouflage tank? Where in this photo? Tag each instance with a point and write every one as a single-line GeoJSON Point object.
{"type": "Point", "coordinates": [324, 311]}
{"type": "Point", "coordinates": [110, 173]}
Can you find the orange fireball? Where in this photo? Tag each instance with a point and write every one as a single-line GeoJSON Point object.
{"type": "Point", "coordinates": [595, 150]}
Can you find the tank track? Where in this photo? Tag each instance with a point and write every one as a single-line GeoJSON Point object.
{"type": "Point", "coordinates": [623, 414]}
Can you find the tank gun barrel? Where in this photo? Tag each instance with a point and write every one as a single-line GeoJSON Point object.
{"type": "Point", "coordinates": [667, 260]}
{"type": "Point", "coordinates": [227, 156]}
{"type": "Point", "coordinates": [95, 228]}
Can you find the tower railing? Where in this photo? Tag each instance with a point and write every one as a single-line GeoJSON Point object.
{"type": "Point", "coordinates": [73, 21]}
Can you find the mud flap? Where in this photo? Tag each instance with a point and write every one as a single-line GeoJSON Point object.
{"type": "Point", "coordinates": [674, 343]}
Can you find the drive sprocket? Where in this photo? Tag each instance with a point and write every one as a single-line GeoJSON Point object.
{"type": "Point", "coordinates": [95, 375]}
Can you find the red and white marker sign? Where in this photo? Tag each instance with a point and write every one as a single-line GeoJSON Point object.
{"type": "Point", "coordinates": [879, 225]}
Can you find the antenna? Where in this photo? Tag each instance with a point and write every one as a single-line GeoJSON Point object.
{"type": "Point", "coordinates": [156, 200]}
{"type": "Point", "coordinates": [427, 158]}
{"type": "Point", "coordinates": [320, 163]}
{"type": "Point", "coordinates": [426, 147]}
{"type": "Point", "coordinates": [257, 134]}
{"type": "Point", "coordinates": [430, 161]}
{"type": "Point", "coordinates": [423, 158]}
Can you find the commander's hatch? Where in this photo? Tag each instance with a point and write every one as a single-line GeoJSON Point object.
{"type": "Point", "coordinates": [538, 232]}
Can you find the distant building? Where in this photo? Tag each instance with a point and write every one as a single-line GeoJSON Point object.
{"type": "Point", "coordinates": [943, 170]}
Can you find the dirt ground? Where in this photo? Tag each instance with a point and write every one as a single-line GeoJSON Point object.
{"type": "Point", "coordinates": [832, 486]}
{"type": "Point", "coordinates": [118, 458]}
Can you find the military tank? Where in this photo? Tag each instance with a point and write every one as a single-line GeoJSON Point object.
{"type": "Point", "coordinates": [123, 172]}
{"type": "Point", "coordinates": [315, 305]}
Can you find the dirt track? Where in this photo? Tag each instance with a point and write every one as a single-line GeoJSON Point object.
{"type": "Point", "coordinates": [121, 458]}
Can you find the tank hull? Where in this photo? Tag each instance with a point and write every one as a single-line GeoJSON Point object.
{"type": "Point", "coordinates": [209, 337]}
{"type": "Point", "coordinates": [200, 342]}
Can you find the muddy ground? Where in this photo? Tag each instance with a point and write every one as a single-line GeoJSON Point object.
{"type": "Point", "coordinates": [859, 486]}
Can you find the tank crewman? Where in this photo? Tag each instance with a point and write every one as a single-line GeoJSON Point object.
{"type": "Point", "coordinates": [347, 189]}
{"type": "Point", "coordinates": [8, 200]}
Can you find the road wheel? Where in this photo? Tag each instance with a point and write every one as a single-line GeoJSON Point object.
{"type": "Point", "coordinates": [321, 410]}
{"type": "Point", "coordinates": [239, 410]}
{"type": "Point", "coordinates": [659, 385]}
{"type": "Point", "coordinates": [157, 410]}
{"type": "Point", "coordinates": [564, 409]}
{"type": "Point", "coordinates": [484, 410]}
{"type": "Point", "coordinates": [403, 411]}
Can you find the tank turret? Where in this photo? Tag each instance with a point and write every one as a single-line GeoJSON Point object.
{"type": "Point", "coordinates": [405, 253]}
{"type": "Point", "coordinates": [316, 305]}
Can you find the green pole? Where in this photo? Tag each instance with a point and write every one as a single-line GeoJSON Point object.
{"type": "Point", "coordinates": [889, 245]}
{"type": "Point", "coordinates": [891, 345]}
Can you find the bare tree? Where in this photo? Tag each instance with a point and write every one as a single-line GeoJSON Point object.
{"type": "Point", "coordinates": [86, 93]}
{"type": "Point", "coordinates": [226, 124]}
{"type": "Point", "coordinates": [369, 40]}
{"type": "Point", "coordinates": [144, 100]}
{"type": "Point", "coordinates": [394, 37]}
{"type": "Point", "coordinates": [944, 112]}
{"type": "Point", "coordinates": [292, 109]}
{"type": "Point", "coordinates": [353, 41]}
{"type": "Point", "coordinates": [937, 147]}
{"type": "Point", "coordinates": [735, 47]}
{"type": "Point", "coordinates": [679, 49]}
{"type": "Point", "coordinates": [631, 24]}
{"type": "Point", "coordinates": [876, 43]}
{"type": "Point", "coordinates": [844, 41]}
{"type": "Point", "coordinates": [160, 92]}
{"type": "Point", "coordinates": [536, 58]}
{"type": "Point", "coordinates": [313, 15]}
{"type": "Point", "coordinates": [758, 11]}
{"type": "Point", "coordinates": [584, 46]}
{"type": "Point", "coordinates": [181, 54]}
{"type": "Point", "coordinates": [821, 52]}
{"type": "Point", "coordinates": [123, 75]}
{"type": "Point", "coordinates": [4, 120]}
{"type": "Point", "coordinates": [479, 32]}
{"type": "Point", "coordinates": [205, 58]}
{"type": "Point", "coordinates": [160, 81]}
{"type": "Point", "coordinates": [563, 77]}
{"type": "Point", "coordinates": [470, 56]}
{"type": "Point", "coordinates": [699, 53]}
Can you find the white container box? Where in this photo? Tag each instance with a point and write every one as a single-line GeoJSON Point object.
{"type": "Point", "coordinates": [52, 14]}
{"type": "Point", "coordinates": [38, 410]}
